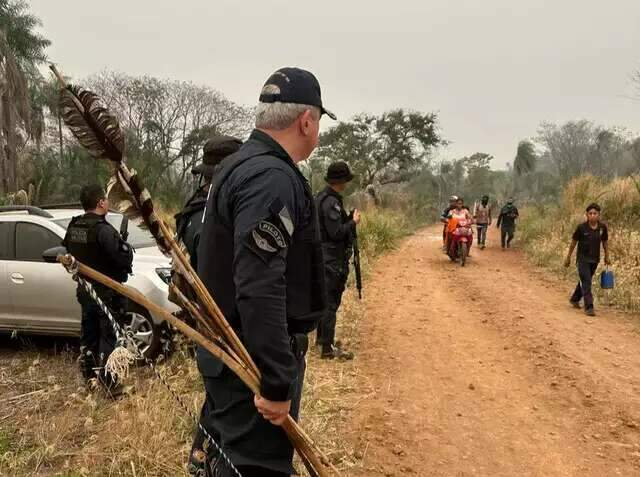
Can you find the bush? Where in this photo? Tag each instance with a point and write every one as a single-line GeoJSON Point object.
{"type": "Point", "coordinates": [546, 231]}
{"type": "Point", "coordinates": [380, 230]}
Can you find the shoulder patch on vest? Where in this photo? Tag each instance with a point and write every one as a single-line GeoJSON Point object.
{"type": "Point", "coordinates": [266, 240]}
{"type": "Point", "coordinates": [262, 243]}
{"type": "Point", "coordinates": [273, 231]}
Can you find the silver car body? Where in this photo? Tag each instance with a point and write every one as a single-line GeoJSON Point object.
{"type": "Point", "coordinates": [40, 298]}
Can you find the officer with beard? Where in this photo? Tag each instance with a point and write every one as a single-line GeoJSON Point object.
{"type": "Point", "coordinates": [96, 243]}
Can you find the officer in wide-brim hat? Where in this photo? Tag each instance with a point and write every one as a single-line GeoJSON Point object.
{"type": "Point", "coordinates": [213, 152]}
{"type": "Point", "coordinates": [188, 229]}
{"type": "Point", "coordinates": [189, 220]}
{"type": "Point", "coordinates": [337, 232]}
{"type": "Point", "coordinates": [338, 173]}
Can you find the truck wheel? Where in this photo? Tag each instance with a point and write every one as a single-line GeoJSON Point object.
{"type": "Point", "coordinates": [145, 333]}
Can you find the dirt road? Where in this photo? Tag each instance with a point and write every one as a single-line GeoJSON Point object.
{"type": "Point", "coordinates": [486, 370]}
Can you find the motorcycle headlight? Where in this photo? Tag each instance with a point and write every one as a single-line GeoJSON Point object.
{"type": "Point", "coordinates": [164, 274]}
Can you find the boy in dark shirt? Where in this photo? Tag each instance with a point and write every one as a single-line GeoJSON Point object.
{"type": "Point", "coordinates": [588, 237]}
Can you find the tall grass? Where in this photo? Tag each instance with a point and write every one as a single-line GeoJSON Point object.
{"type": "Point", "coordinates": [547, 229]}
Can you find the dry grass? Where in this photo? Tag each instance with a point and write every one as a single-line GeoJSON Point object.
{"type": "Point", "coordinates": [547, 230]}
{"type": "Point", "coordinates": [51, 426]}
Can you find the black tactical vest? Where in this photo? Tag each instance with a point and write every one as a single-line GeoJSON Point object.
{"type": "Point", "coordinates": [189, 222]}
{"type": "Point", "coordinates": [81, 241]}
{"type": "Point", "coordinates": [306, 300]}
{"type": "Point", "coordinates": [339, 252]}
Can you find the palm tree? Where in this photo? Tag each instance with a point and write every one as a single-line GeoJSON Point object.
{"type": "Point", "coordinates": [21, 50]}
{"type": "Point", "coordinates": [15, 113]}
{"type": "Point", "coordinates": [19, 27]}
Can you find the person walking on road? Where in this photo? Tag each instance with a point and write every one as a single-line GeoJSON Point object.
{"type": "Point", "coordinates": [260, 257]}
{"type": "Point", "coordinates": [589, 236]}
{"type": "Point", "coordinates": [507, 223]}
{"type": "Point", "coordinates": [96, 243]}
{"type": "Point", "coordinates": [337, 232]}
{"type": "Point", "coordinates": [482, 216]}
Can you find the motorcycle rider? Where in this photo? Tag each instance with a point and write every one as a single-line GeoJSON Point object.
{"type": "Point", "coordinates": [444, 218]}
{"type": "Point", "coordinates": [459, 214]}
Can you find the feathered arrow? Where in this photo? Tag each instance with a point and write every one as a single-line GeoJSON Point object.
{"type": "Point", "coordinates": [98, 131]}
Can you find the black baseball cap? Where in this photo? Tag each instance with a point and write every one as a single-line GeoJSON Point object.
{"type": "Point", "coordinates": [296, 86]}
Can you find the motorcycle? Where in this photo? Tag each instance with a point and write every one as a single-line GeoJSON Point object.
{"type": "Point", "coordinates": [460, 241]}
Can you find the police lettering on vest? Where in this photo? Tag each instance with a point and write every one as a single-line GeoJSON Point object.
{"type": "Point", "coordinates": [82, 242]}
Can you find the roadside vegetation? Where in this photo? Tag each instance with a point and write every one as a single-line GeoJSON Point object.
{"type": "Point", "coordinates": [546, 231]}
{"type": "Point", "coordinates": [51, 426]}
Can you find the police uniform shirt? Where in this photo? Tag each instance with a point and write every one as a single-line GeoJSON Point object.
{"type": "Point", "coordinates": [337, 225]}
{"type": "Point", "coordinates": [337, 228]}
{"type": "Point", "coordinates": [264, 200]}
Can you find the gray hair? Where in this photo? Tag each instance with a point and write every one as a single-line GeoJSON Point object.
{"type": "Point", "coordinates": [279, 116]}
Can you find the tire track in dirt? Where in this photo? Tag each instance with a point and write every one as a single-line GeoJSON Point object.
{"type": "Point", "coordinates": [486, 370]}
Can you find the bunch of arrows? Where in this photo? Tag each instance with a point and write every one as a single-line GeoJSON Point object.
{"type": "Point", "coordinates": [97, 130]}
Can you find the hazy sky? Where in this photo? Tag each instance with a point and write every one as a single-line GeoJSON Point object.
{"type": "Point", "coordinates": [493, 69]}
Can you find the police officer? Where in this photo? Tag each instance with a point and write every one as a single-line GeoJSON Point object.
{"type": "Point", "coordinates": [261, 259]}
{"type": "Point", "coordinates": [189, 227]}
{"type": "Point", "coordinates": [96, 243]}
{"type": "Point", "coordinates": [189, 220]}
{"type": "Point", "coordinates": [337, 230]}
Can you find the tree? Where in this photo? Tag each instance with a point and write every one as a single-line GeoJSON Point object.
{"type": "Point", "coordinates": [19, 27]}
{"type": "Point", "coordinates": [478, 181]}
{"type": "Point", "coordinates": [569, 146]}
{"type": "Point", "coordinates": [607, 155]}
{"type": "Point", "coordinates": [166, 123]}
{"type": "Point", "coordinates": [634, 151]}
{"type": "Point", "coordinates": [383, 149]}
{"type": "Point", "coordinates": [21, 49]}
{"type": "Point", "coordinates": [526, 158]}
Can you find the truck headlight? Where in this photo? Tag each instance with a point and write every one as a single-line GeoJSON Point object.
{"type": "Point", "coordinates": [164, 274]}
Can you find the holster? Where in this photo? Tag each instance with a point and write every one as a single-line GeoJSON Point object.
{"type": "Point", "coordinates": [299, 344]}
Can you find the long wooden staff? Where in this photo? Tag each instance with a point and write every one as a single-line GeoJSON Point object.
{"type": "Point", "coordinates": [99, 132]}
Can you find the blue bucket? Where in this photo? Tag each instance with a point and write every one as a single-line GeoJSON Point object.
{"type": "Point", "coordinates": [607, 279]}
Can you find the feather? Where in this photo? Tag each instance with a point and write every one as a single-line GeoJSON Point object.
{"type": "Point", "coordinates": [119, 195]}
{"type": "Point", "coordinates": [131, 198]}
{"type": "Point", "coordinates": [99, 132]}
{"type": "Point", "coordinates": [95, 128]}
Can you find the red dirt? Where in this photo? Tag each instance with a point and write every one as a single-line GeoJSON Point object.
{"type": "Point", "coordinates": [487, 370]}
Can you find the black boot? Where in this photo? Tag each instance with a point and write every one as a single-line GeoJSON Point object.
{"type": "Point", "coordinates": [331, 352]}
